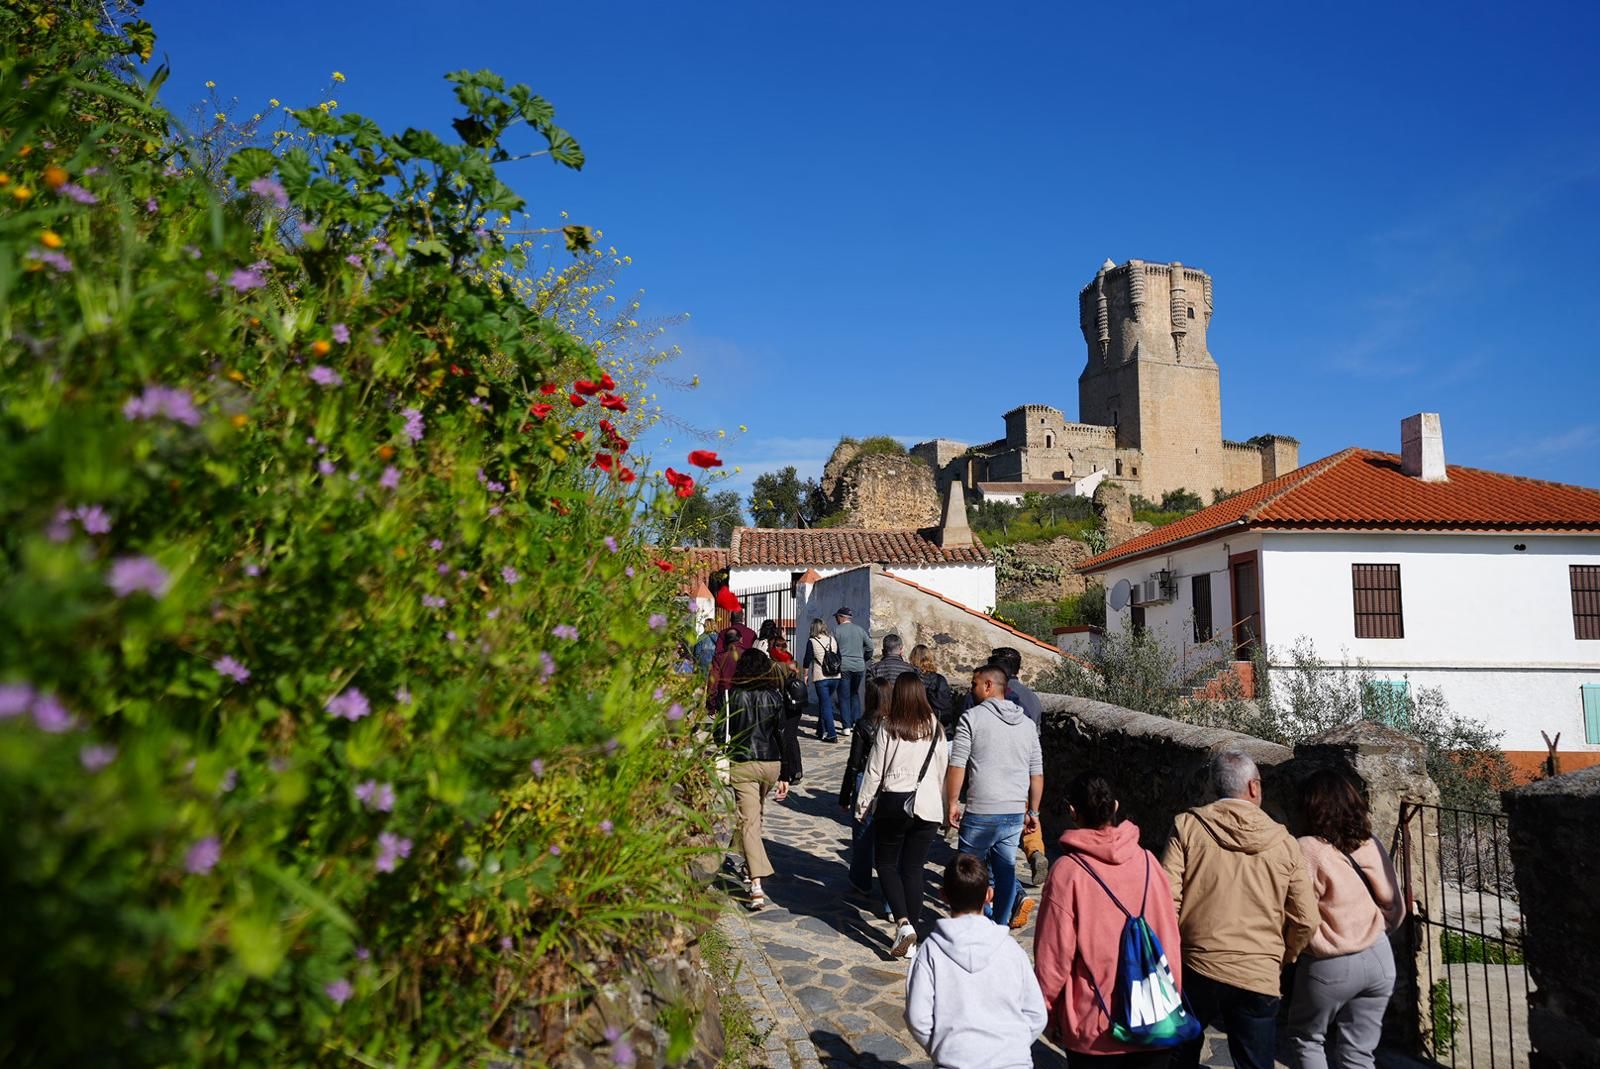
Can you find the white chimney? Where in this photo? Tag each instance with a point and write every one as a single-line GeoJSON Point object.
{"type": "Point", "coordinates": [1422, 447]}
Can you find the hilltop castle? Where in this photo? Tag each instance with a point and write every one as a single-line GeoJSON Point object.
{"type": "Point", "coordinates": [1149, 398]}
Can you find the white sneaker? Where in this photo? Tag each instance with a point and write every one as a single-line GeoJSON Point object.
{"type": "Point", "coordinates": [906, 942]}
{"type": "Point", "coordinates": [844, 733]}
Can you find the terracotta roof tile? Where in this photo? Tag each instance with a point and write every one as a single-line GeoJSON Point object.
{"type": "Point", "coordinates": [1364, 490]}
{"type": "Point", "coordinates": [846, 545]}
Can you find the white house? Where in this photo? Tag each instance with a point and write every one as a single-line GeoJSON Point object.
{"type": "Point", "coordinates": [1013, 493]}
{"type": "Point", "coordinates": [1486, 586]}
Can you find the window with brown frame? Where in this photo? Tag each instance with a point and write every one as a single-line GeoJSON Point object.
{"type": "Point", "coordinates": [1200, 588]}
{"type": "Point", "coordinates": [1586, 600]}
{"type": "Point", "coordinates": [1377, 599]}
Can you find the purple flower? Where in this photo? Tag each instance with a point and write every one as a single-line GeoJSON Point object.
{"type": "Point", "coordinates": [93, 518]}
{"type": "Point", "coordinates": [622, 1053]}
{"type": "Point", "coordinates": [436, 545]}
{"type": "Point", "coordinates": [55, 259]}
{"type": "Point", "coordinates": [612, 1033]}
{"type": "Point", "coordinates": [75, 192]}
{"type": "Point", "coordinates": [628, 571]}
{"type": "Point", "coordinates": [307, 228]}
{"type": "Point", "coordinates": [338, 991]}
{"type": "Point", "coordinates": [354, 259]}
{"type": "Point", "coordinates": [493, 614]}
{"type": "Point", "coordinates": [95, 756]}
{"type": "Point", "coordinates": [203, 856]}
{"type": "Point", "coordinates": [252, 570]}
{"type": "Point", "coordinates": [350, 704]}
{"type": "Point", "coordinates": [495, 510]}
{"type": "Point", "coordinates": [432, 601]}
{"type": "Point", "coordinates": [659, 694]}
{"type": "Point", "coordinates": [130, 575]}
{"type": "Point", "coordinates": [341, 333]}
{"type": "Point", "coordinates": [327, 467]}
{"type": "Point", "coordinates": [675, 712]}
{"type": "Point", "coordinates": [536, 766]}
{"type": "Point", "coordinates": [566, 631]}
{"type": "Point", "coordinates": [611, 543]}
{"type": "Point", "coordinates": [230, 780]}
{"type": "Point", "coordinates": [612, 746]}
{"type": "Point", "coordinates": [606, 827]}
{"type": "Point", "coordinates": [391, 849]}
{"type": "Point", "coordinates": [375, 795]}
{"type": "Point", "coordinates": [495, 487]}
{"type": "Point", "coordinates": [14, 699]}
{"type": "Point", "coordinates": [231, 668]}
{"type": "Point", "coordinates": [325, 376]}
{"type": "Point", "coordinates": [509, 574]}
{"type": "Point", "coordinates": [193, 251]}
{"type": "Point", "coordinates": [442, 568]}
{"type": "Point", "coordinates": [390, 478]}
{"type": "Point", "coordinates": [547, 666]}
{"type": "Point", "coordinates": [60, 527]}
{"type": "Point", "coordinates": [414, 425]}
{"type": "Point", "coordinates": [243, 280]}
{"type": "Point", "coordinates": [451, 636]}
{"type": "Point", "coordinates": [50, 716]}
{"type": "Point", "coordinates": [403, 696]}
{"type": "Point", "coordinates": [151, 206]}
{"type": "Point", "coordinates": [165, 401]}
{"type": "Point", "coordinates": [657, 621]}
{"type": "Point", "coordinates": [506, 944]}
{"type": "Point", "coordinates": [363, 954]}
{"type": "Point", "coordinates": [555, 851]}
{"type": "Point", "coordinates": [269, 190]}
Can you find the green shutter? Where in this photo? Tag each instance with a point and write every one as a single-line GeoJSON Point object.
{"type": "Point", "coordinates": [1591, 713]}
{"type": "Point", "coordinates": [1387, 702]}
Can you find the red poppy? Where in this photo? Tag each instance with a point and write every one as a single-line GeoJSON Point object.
{"type": "Point", "coordinates": [607, 382]}
{"type": "Point", "coordinates": [705, 458]}
{"type": "Point", "coordinates": [613, 402]}
{"type": "Point", "coordinates": [626, 475]}
{"type": "Point", "coordinates": [555, 503]}
{"type": "Point", "coordinates": [577, 402]}
{"type": "Point", "coordinates": [542, 410]}
{"type": "Point", "coordinates": [549, 388]}
{"type": "Point", "coordinates": [604, 461]}
{"type": "Point", "coordinates": [456, 369]}
{"type": "Point", "coordinates": [665, 565]}
{"type": "Point", "coordinates": [587, 388]}
{"type": "Point", "coordinates": [578, 436]}
{"type": "Point", "coordinates": [683, 484]}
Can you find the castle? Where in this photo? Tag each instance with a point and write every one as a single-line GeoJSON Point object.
{"type": "Point", "coordinates": [1149, 398]}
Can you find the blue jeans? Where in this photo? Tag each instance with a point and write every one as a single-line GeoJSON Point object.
{"type": "Point", "coordinates": [850, 698]}
{"type": "Point", "coordinates": [827, 693]}
{"type": "Point", "coordinates": [994, 838]}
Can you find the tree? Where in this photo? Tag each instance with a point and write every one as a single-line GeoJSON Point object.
{"type": "Point", "coordinates": [1181, 500]}
{"type": "Point", "coordinates": [782, 499]}
{"type": "Point", "coordinates": [709, 519]}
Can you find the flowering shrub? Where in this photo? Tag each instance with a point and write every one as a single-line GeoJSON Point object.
{"type": "Point", "coordinates": [337, 722]}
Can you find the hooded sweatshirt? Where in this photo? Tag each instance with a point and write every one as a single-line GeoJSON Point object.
{"type": "Point", "coordinates": [1245, 903]}
{"type": "Point", "coordinates": [1356, 908]}
{"type": "Point", "coordinates": [999, 747]}
{"type": "Point", "coordinates": [971, 999]}
{"type": "Point", "coordinates": [1079, 922]}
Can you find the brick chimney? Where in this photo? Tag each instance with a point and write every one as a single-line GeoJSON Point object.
{"type": "Point", "coordinates": [1422, 447]}
{"type": "Point", "coordinates": [954, 531]}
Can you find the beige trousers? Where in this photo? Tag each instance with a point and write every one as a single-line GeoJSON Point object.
{"type": "Point", "coordinates": [751, 782]}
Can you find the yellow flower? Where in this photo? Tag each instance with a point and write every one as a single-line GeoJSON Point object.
{"type": "Point", "coordinates": [219, 116]}
{"type": "Point", "coordinates": [5, 180]}
{"type": "Point", "coordinates": [55, 177]}
{"type": "Point", "coordinates": [236, 375]}
{"type": "Point", "coordinates": [320, 348]}
{"type": "Point", "coordinates": [210, 84]}
{"type": "Point", "coordinates": [50, 239]}
{"type": "Point", "coordinates": [22, 193]}
{"type": "Point", "coordinates": [240, 420]}
{"type": "Point", "coordinates": [338, 77]}
{"type": "Point", "coordinates": [273, 102]}
{"type": "Point", "coordinates": [743, 429]}
{"type": "Point", "coordinates": [722, 434]}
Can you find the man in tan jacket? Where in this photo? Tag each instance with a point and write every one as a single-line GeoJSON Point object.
{"type": "Point", "coordinates": [1245, 907]}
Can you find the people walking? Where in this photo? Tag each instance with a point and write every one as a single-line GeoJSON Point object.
{"type": "Point", "coordinates": [971, 999]}
{"type": "Point", "coordinates": [705, 647]}
{"type": "Point", "coordinates": [723, 663]}
{"type": "Point", "coordinates": [997, 757]}
{"type": "Point", "coordinates": [891, 665]}
{"type": "Point", "coordinates": [747, 637]}
{"type": "Point", "coordinates": [854, 650]}
{"type": "Point", "coordinates": [1091, 891]}
{"type": "Point", "coordinates": [1348, 972]}
{"type": "Point", "coordinates": [769, 631]}
{"type": "Point", "coordinates": [821, 662]}
{"type": "Point", "coordinates": [902, 788]}
{"type": "Point", "coordinates": [937, 687]}
{"type": "Point", "coordinates": [1009, 660]}
{"type": "Point", "coordinates": [879, 695]}
{"type": "Point", "coordinates": [793, 689]}
{"type": "Point", "coordinates": [750, 729]}
{"type": "Point", "coordinates": [1245, 907]}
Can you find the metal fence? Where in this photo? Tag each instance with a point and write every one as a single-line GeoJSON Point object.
{"type": "Point", "coordinates": [778, 603]}
{"type": "Point", "coordinates": [1465, 936]}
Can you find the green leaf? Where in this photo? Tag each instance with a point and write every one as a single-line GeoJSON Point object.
{"type": "Point", "coordinates": [259, 944]}
{"type": "Point", "coordinates": [299, 889]}
{"type": "Point", "coordinates": [248, 164]}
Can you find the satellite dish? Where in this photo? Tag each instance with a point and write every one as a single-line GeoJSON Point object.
{"type": "Point", "coordinates": [1118, 598]}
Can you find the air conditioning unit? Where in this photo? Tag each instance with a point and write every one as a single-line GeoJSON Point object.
{"type": "Point", "coordinates": [1152, 591]}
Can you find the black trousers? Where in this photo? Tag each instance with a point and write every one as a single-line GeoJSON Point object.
{"type": "Point", "coordinates": [900, 847]}
{"type": "Point", "coordinates": [1144, 1059]}
{"type": "Point", "coordinates": [1249, 1017]}
{"type": "Point", "coordinates": [789, 737]}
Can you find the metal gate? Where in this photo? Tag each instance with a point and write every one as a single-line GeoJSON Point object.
{"type": "Point", "coordinates": [1465, 936]}
{"type": "Point", "coordinates": [778, 603]}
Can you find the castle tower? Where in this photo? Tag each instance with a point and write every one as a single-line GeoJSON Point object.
{"type": "Point", "coordinates": [1150, 374]}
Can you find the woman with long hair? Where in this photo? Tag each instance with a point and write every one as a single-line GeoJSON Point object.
{"type": "Point", "coordinates": [793, 689]}
{"type": "Point", "coordinates": [940, 697]}
{"type": "Point", "coordinates": [1081, 916]}
{"type": "Point", "coordinates": [904, 786]}
{"type": "Point", "coordinates": [879, 694]}
{"type": "Point", "coordinates": [751, 729]}
{"type": "Point", "coordinates": [818, 646]}
{"type": "Point", "coordinates": [1347, 973]}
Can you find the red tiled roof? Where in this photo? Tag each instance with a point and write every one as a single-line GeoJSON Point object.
{"type": "Point", "coordinates": [697, 568]}
{"type": "Point", "coordinates": [974, 612]}
{"type": "Point", "coordinates": [846, 545]}
{"type": "Point", "coordinates": [1364, 490]}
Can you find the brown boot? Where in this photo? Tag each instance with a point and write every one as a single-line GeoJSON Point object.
{"type": "Point", "coordinates": [1019, 919]}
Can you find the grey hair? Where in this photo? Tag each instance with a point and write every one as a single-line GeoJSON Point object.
{"type": "Point", "coordinates": [1232, 772]}
{"type": "Point", "coordinates": [892, 645]}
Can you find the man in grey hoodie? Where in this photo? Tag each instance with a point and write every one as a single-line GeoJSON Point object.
{"type": "Point", "coordinates": [996, 755]}
{"type": "Point", "coordinates": [971, 998]}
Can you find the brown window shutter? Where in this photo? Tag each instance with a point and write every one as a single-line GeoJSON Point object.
{"type": "Point", "coordinates": [1378, 609]}
{"type": "Point", "coordinates": [1585, 601]}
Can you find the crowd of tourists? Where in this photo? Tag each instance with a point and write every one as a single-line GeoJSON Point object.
{"type": "Point", "coordinates": [1134, 954]}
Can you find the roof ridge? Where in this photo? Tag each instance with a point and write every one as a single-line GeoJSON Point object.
{"type": "Point", "coordinates": [971, 611]}
{"type": "Point", "coordinates": [1305, 474]}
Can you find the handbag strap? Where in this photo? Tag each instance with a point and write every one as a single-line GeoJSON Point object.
{"type": "Point", "coordinates": [1361, 872]}
{"type": "Point", "coordinates": [933, 741]}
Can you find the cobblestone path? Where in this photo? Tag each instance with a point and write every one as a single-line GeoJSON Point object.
{"type": "Point", "coordinates": [817, 973]}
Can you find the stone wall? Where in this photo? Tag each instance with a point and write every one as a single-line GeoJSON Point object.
{"type": "Point", "coordinates": [1062, 554]}
{"type": "Point", "coordinates": [1555, 849]}
{"type": "Point", "coordinates": [1116, 513]}
{"type": "Point", "coordinates": [884, 491]}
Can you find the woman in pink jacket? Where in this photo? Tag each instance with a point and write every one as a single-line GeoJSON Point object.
{"type": "Point", "coordinates": [1076, 944]}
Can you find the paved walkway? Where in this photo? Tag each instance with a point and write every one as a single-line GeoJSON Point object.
{"type": "Point", "coordinates": [817, 970]}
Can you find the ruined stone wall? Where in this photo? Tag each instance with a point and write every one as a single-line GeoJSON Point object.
{"type": "Point", "coordinates": [1554, 849]}
{"type": "Point", "coordinates": [843, 454]}
{"type": "Point", "coordinates": [885, 491]}
{"type": "Point", "coordinates": [1062, 554]}
{"type": "Point", "coordinates": [1111, 504]}
{"type": "Point", "coordinates": [946, 458]}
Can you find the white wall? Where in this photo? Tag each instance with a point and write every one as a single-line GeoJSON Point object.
{"type": "Point", "coordinates": [970, 584]}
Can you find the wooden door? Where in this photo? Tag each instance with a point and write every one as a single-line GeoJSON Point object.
{"type": "Point", "coordinates": [1246, 580]}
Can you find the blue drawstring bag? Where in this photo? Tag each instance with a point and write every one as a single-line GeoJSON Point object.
{"type": "Point", "coordinates": [1148, 1011]}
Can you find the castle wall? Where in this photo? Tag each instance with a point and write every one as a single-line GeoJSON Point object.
{"type": "Point", "coordinates": [1242, 469]}
{"type": "Point", "coordinates": [947, 460]}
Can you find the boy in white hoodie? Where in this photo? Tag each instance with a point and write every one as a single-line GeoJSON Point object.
{"type": "Point", "coordinates": [972, 1000]}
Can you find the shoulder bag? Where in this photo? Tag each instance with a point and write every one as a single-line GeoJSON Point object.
{"type": "Point", "coordinates": [910, 804]}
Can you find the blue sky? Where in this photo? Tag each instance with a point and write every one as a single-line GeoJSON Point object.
{"type": "Point", "coordinates": [879, 216]}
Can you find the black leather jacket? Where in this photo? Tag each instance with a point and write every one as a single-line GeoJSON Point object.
{"type": "Point", "coordinates": [752, 729]}
{"type": "Point", "coordinates": [861, 739]}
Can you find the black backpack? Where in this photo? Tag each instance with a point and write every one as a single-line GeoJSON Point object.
{"type": "Point", "coordinates": [831, 665]}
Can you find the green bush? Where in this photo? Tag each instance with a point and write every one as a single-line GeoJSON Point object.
{"type": "Point", "coordinates": [335, 681]}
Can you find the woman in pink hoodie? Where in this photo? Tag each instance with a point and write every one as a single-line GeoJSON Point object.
{"type": "Point", "coordinates": [1076, 944]}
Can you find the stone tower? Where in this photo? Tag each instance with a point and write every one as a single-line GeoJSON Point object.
{"type": "Point", "coordinates": [1150, 374]}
